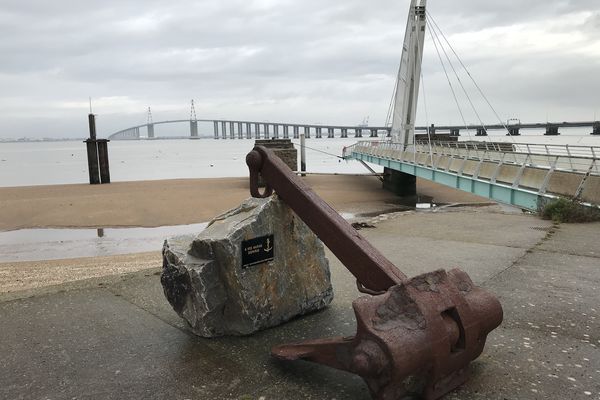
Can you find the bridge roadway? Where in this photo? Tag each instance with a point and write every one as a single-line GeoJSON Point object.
{"type": "Point", "coordinates": [229, 129]}
{"type": "Point", "coordinates": [523, 175]}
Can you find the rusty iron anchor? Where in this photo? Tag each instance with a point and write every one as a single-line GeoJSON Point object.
{"type": "Point", "coordinates": [415, 337]}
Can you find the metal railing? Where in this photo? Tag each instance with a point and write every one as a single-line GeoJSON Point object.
{"type": "Point", "coordinates": [571, 158]}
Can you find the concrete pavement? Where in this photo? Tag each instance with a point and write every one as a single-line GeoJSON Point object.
{"type": "Point", "coordinates": [118, 338]}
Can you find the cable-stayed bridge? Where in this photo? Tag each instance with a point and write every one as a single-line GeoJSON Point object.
{"type": "Point", "coordinates": [235, 129]}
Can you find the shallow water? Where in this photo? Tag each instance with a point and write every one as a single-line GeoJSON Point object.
{"type": "Point", "coordinates": [54, 244]}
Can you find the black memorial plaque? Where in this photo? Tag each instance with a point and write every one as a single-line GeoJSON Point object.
{"type": "Point", "coordinates": [258, 250]}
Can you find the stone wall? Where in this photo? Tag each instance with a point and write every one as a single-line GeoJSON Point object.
{"type": "Point", "coordinates": [284, 149]}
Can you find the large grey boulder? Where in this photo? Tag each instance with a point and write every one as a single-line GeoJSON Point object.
{"type": "Point", "coordinates": [204, 279]}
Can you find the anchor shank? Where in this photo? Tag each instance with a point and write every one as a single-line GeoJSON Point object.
{"type": "Point", "coordinates": [372, 269]}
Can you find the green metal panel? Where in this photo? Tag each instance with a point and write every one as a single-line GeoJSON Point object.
{"type": "Point", "coordinates": [525, 199]}
{"type": "Point", "coordinates": [502, 194]}
{"type": "Point", "coordinates": [481, 188]}
{"type": "Point", "coordinates": [465, 184]}
{"type": "Point", "coordinates": [425, 173]}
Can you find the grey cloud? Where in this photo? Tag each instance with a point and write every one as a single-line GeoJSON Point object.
{"type": "Point", "coordinates": [329, 61]}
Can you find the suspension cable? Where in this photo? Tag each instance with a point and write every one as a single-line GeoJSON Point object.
{"type": "Point", "coordinates": [391, 107]}
{"type": "Point", "coordinates": [468, 72]}
{"type": "Point", "coordinates": [426, 118]}
{"type": "Point", "coordinates": [459, 81]}
{"type": "Point", "coordinates": [324, 152]}
{"type": "Point", "coordinates": [447, 77]}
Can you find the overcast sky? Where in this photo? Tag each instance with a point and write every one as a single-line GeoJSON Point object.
{"type": "Point", "coordinates": [317, 61]}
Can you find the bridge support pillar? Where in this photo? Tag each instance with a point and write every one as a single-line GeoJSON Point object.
{"type": "Point", "coordinates": [431, 130]}
{"type": "Point", "coordinates": [357, 132]}
{"type": "Point", "coordinates": [373, 133]}
{"type": "Point", "coordinates": [276, 131]}
{"type": "Point", "coordinates": [224, 129]}
{"type": "Point", "coordinates": [296, 130]}
{"type": "Point", "coordinates": [330, 133]}
{"type": "Point", "coordinates": [596, 130]}
{"type": "Point", "coordinates": [240, 130]}
{"type": "Point", "coordinates": [267, 131]}
{"type": "Point", "coordinates": [307, 132]}
{"type": "Point", "coordinates": [513, 131]}
{"type": "Point", "coordinates": [399, 183]}
{"type": "Point", "coordinates": [216, 129]}
{"type": "Point", "coordinates": [551, 130]}
{"type": "Point", "coordinates": [481, 132]}
{"type": "Point", "coordinates": [319, 133]}
{"type": "Point", "coordinates": [257, 131]}
{"type": "Point", "coordinates": [232, 130]}
{"type": "Point", "coordinates": [150, 131]}
{"type": "Point", "coordinates": [344, 133]}
{"type": "Point", "coordinates": [248, 131]}
{"type": "Point", "coordinates": [286, 131]}
{"type": "Point", "coordinates": [194, 129]}
{"type": "Point", "coordinates": [454, 132]}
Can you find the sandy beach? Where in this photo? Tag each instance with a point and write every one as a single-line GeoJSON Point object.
{"type": "Point", "coordinates": [160, 203]}
{"type": "Point", "coordinates": [182, 201]}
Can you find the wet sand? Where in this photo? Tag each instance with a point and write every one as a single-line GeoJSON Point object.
{"type": "Point", "coordinates": [179, 202]}
{"type": "Point", "coordinates": [159, 203]}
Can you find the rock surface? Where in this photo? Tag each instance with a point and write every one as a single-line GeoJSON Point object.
{"type": "Point", "coordinates": [205, 282]}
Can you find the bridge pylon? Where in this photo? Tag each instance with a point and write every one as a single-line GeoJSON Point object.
{"type": "Point", "coordinates": [150, 125]}
{"type": "Point", "coordinates": [193, 121]}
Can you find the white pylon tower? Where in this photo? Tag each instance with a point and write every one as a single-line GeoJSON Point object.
{"type": "Point", "coordinates": [409, 75]}
{"type": "Point", "coordinates": [193, 112]}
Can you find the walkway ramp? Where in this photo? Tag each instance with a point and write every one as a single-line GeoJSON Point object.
{"type": "Point", "coordinates": [519, 174]}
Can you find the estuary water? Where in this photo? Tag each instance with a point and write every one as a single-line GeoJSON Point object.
{"type": "Point", "coordinates": [51, 163]}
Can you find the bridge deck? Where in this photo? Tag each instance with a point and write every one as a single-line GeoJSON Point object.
{"type": "Point", "coordinates": [523, 175]}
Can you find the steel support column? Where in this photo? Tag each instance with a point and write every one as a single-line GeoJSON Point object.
{"type": "Point", "coordinates": [224, 130]}
{"type": "Point", "coordinates": [193, 128]}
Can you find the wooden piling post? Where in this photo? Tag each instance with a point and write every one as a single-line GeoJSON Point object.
{"type": "Point", "coordinates": [103, 160]}
{"type": "Point", "coordinates": [97, 155]}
